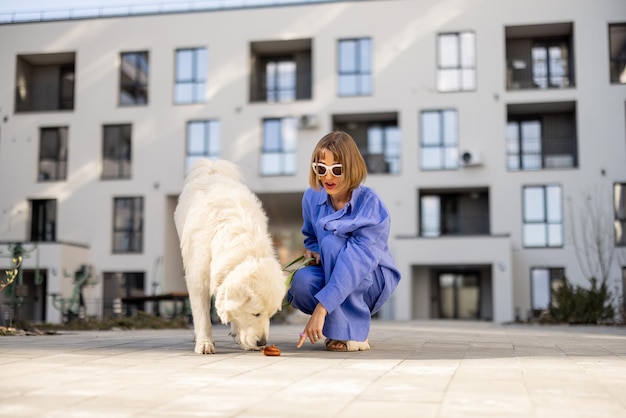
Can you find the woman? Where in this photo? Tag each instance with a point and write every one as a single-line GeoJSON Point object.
{"type": "Point", "coordinates": [346, 227]}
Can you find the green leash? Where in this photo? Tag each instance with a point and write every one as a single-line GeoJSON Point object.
{"type": "Point", "coordinates": [291, 268]}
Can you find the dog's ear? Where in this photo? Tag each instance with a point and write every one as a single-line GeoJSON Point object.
{"type": "Point", "coordinates": [228, 299]}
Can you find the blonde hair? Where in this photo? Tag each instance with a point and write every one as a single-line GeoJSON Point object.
{"type": "Point", "coordinates": [346, 152]}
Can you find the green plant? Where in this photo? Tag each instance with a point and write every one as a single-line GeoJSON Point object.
{"type": "Point", "coordinates": [579, 305]}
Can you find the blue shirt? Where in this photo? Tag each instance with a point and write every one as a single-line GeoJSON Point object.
{"type": "Point", "coordinates": [352, 243]}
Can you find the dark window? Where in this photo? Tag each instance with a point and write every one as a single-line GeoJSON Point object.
{"type": "Point", "coordinates": [44, 82]}
{"type": "Point", "coordinates": [378, 137]}
{"type": "Point", "coordinates": [134, 73]}
{"type": "Point", "coordinates": [539, 142]}
{"type": "Point", "coordinates": [43, 220]}
{"type": "Point", "coordinates": [281, 71]}
{"type": "Point", "coordinates": [355, 67]}
{"type": "Point", "coordinates": [116, 152]}
{"type": "Point", "coordinates": [617, 51]}
{"type": "Point", "coordinates": [128, 225]}
{"type": "Point", "coordinates": [540, 56]}
{"type": "Point", "coordinates": [619, 199]}
{"type": "Point", "coordinates": [52, 154]}
{"type": "Point", "coordinates": [454, 213]}
{"type": "Point", "coordinates": [119, 285]}
{"type": "Point", "coordinates": [191, 75]}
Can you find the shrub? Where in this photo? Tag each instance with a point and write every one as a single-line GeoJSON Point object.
{"type": "Point", "coordinates": [579, 305]}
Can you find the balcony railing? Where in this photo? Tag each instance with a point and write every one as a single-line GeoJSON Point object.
{"type": "Point", "coordinates": [42, 97]}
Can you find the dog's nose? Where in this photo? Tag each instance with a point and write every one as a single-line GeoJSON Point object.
{"type": "Point", "coordinates": [261, 342]}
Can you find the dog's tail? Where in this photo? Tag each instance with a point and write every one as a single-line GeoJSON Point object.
{"type": "Point", "coordinates": [204, 166]}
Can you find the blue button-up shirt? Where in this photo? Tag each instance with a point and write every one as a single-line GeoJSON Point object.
{"type": "Point", "coordinates": [352, 243]}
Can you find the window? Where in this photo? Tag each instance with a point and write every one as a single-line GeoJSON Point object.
{"type": "Point", "coordinates": [624, 287]}
{"type": "Point", "coordinates": [45, 82]}
{"type": "Point", "coordinates": [617, 51]}
{"type": "Point", "coordinates": [203, 141]}
{"type": "Point", "coordinates": [439, 140]}
{"type": "Point", "coordinates": [544, 282]}
{"type": "Point", "coordinates": [355, 67]}
{"type": "Point", "coordinates": [43, 220]}
{"type": "Point", "coordinates": [280, 79]}
{"type": "Point", "coordinates": [52, 154]}
{"type": "Point", "coordinates": [127, 225]}
{"type": "Point", "coordinates": [550, 64]}
{"type": "Point", "coordinates": [378, 137]}
{"type": "Point", "coordinates": [456, 62]}
{"type": "Point", "coordinates": [281, 71]}
{"type": "Point", "coordinates": [619, 205]}
{"type": "Point", "coordinates": [383, 149]}
{"type": "Point", "coordinates": [542, 216]}
{"type": "Point", "coordinates": [463, 212]}
{"type": "Point", "coordinates": [543, 141]}
{"type": "Point", "coordinates": [118, 285]}
{"type": "Point", "coordinates": [116, 152]}
{"type": "Point", "coordinates": [134, 72]}
{"type": "Point", "coordinates": [540, 56]}
{"type": "Point", "coordinates": [191, 76]}
{"type": "Point", "coordinates": [278, 155]}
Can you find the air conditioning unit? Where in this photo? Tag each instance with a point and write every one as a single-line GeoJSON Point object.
{"type": "Point", "coordinates": [470, 158]}
{"type": "Point", "coordinates": [308, 121]}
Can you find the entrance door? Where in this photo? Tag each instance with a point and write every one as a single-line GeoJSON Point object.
{"type": "Point", "coordinates": [459, 295]}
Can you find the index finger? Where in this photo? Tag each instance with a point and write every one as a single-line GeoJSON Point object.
{"type": "Point", "coordinates": [301, 341]}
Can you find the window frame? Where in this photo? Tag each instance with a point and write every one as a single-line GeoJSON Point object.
{"type": "Point", "coordinates": [393, 161]}
{"type": "Point", "coordinates": [134, 84]}
{"type": "Point", "coordinates": [619, 211]}
{"type": "Point", "coordinates": [545, 221]}
{"type": "Point", "coordinates": [275, 90]}
{"type": "Point", "coordinates": [617, 64]}
{"type": "Point", "coordinates": [547, 45]}
{"type": "Point", "coordinates": [43, 220]}
{"type": "Point", "coordinates": [363, 85]}
{"type": "Point", "coordinates": [280, 150]}
{"type": "Point", "coordinates": [58, 162]}
{"type": "Point", "coordinates": [131, 232]}
{"type": "Point", "coordinates": [461, 67]}
{"type": "Point", "coordinates": [211, 146]}
{"type": "Point", "coordinates": [197, 81]}
{"type": "Point", "coordinates": [123, 152]}
{"type": "Point", "coordinates": [447, 152]}
{"type": "Point", "coordinates": [555, 275]}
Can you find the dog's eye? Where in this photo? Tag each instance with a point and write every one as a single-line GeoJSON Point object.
{"type": "Point", "coordinates": [257, 314]}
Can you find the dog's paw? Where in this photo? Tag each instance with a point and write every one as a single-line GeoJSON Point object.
{"type": "Point", "coordinates": [205, 347]}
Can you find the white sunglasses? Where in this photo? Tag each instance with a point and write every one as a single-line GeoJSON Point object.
{"type": "Point", "coordinates": [320, 169]}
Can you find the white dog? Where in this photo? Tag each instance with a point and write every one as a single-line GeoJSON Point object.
{"type": "Point", "coordinates": [227, 253]}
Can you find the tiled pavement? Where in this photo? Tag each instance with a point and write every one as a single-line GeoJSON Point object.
{"type": "Point", "coordinates": [414, 369]}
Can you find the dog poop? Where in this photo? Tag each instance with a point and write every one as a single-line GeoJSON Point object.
{"type": "Point", "coordinates": [271, 350]}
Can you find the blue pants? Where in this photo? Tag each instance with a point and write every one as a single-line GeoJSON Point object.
{"type": "Point", "coordinates": [351, 320]}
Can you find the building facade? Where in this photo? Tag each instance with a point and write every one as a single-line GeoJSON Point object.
{"type": "Point", "coordinates": [495, 132]}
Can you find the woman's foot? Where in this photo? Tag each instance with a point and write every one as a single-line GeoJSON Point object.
{"type": "Point", "coordinates": [339, 345]}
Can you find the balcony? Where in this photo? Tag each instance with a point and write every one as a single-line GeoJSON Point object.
{"type": "Point", "coordinates": [280, 71]}
{"type": "Point", "coordinates": [541, 136]}
{"type": "Point", "coordinates": [540, 56]}
{"type": "Point", "coordinates": [45, 82]}
{"type": "Point", "coordinates": [454, 213]}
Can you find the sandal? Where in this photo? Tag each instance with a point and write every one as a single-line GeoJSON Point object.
{"type": "Point", "coordinates": [350, 345]}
